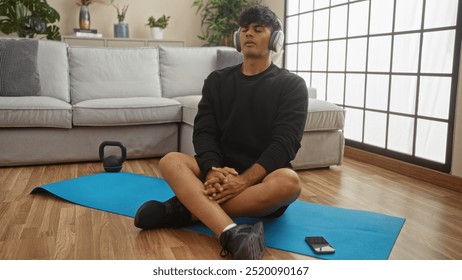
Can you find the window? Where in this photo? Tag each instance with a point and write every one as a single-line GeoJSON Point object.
{"type": "Point", "coordinates": [392, 64]}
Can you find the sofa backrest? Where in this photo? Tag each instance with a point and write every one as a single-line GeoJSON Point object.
{"type": "Point", "coordinates": [185, 69]}
{"type": "Point", "coordinates": [113, 73]}
{"type": "Point", "coordinates": [53, 69]}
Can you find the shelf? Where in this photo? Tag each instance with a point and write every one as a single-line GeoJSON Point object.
{"type": "Point", "coordinates": [118, 42]}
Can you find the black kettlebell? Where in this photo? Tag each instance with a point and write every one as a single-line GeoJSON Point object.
{"type": "Point", "coordinates": [112, 163]}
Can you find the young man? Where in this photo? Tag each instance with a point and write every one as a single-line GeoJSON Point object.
{"type": "Point", "coordinates": [248, 128]}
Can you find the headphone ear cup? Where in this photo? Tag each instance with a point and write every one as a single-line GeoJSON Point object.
{"type": "Point", "coordinates": [276, 41]}
{"type": "Point", "coordinates": [236, 40]}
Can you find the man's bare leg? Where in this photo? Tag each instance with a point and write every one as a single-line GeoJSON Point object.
{"type": "Point", "coordinates": [277, 189]}
{"type": "Point", "coordinates": [182, 173]}
{"type": "Point", "coordinates": [242, 241]}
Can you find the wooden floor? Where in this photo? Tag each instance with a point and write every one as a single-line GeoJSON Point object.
{"type": "Point", "coordinates": [45, 227]}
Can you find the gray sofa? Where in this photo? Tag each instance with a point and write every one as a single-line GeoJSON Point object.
{"type": "Point", "coordinates": [145, 98]}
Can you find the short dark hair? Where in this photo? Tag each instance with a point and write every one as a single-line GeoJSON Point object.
{"type": "Point", "coordinates": [259, 15]}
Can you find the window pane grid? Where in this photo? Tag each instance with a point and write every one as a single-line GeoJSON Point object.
{"type": "Point", "coordinates": [399, 42]}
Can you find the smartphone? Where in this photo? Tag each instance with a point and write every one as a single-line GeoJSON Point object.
{"type": "Point", "coordinates": [319, 245]}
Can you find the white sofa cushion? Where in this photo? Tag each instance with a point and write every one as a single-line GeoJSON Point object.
{"type": "Point", "coordinates": [323, 115]}
{"type": "Point", "coordinates": [189, 107]}
{"type": "Point", "coordinates": [126, 111]}
{"type": "Point", "coordinates": [35, 111]}
{"type": "Point", "coordinates": [227, 58]}
{"type": "Point", "coordinates": [53, 69]}
{"type": "Point", "coordinates": [185, 69]}
{"type": "Point", "coordinates": [113, 73]}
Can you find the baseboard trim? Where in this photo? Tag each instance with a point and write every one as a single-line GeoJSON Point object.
{"type": "Point", "coordinates": [414, 171]}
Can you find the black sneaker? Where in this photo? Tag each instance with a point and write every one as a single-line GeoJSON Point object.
{"type": "Point", "coordinates": [154, 214]}
{"type": "Point", "coordinates": [244, 242]}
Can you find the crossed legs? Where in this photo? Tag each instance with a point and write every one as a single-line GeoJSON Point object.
{"type": "Point", "coordinates": [277, 189]}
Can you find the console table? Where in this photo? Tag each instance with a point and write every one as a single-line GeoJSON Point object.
{"type": "Point", "coordinates": [118, 42]}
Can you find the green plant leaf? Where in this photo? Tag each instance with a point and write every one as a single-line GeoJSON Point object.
{"type": "Point", "coordinates": [28, 18]}
{"type": "Point", "coordinates": [219, 18]}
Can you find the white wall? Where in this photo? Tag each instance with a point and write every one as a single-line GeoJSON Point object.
{"type": "Point", "coordinates": [184, 24]}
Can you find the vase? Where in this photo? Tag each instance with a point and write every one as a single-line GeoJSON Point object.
{"type": "Point", "coordinates": [157, 33]}
{"type": "Point", "coordinates": [121, 30]}
{"type": "Point", "coordinates": [84, 17]}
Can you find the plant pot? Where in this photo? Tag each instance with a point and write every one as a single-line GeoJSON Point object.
{"type": "Point", "coordinates": [121, 30]}
{"type": "Point", "coordinates": [84, 17]}
{"type": "Point", "coordinates": [157, 33]}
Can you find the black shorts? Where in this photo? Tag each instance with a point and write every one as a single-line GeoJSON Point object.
{"type": "Point", "coordinates": [278, 213]}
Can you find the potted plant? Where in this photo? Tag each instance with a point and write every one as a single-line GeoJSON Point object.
{"type": "Point", "coordinates": [28, 18]}
{"type": "Point", "coordinates": [219, 19]}
{"type": "Point", "coordinates": [120, 28]}
{"type": "Point", "coordinates": [157, 26]}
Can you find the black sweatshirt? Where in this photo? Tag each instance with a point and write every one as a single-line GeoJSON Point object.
{"type": "Point", "coordinates": [243, 120]}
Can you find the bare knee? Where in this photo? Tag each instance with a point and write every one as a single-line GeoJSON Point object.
{"type": "Point", "coordinates": [175, 162]}
{"type": "Point", "coordinates": [168, 160]}
{"type": "Point", "coordinates": [292, 185]}
{"type": "Point", "coordinates": [287, 183]}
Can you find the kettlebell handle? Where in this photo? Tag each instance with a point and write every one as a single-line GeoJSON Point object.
{"type": "Point", "coordinates": [123, 150]}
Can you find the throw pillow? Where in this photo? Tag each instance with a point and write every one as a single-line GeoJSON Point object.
{"type": "Point", "coordinates": [18, 68]}
{"type": "Point", "coordinates": [226, 58]}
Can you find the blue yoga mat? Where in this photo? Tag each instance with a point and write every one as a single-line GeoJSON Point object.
{"type": "Point", "coordinates": [355, 234]}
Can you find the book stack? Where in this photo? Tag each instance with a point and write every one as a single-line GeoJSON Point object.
{"type": "Point", "coordinates": [90, 33]}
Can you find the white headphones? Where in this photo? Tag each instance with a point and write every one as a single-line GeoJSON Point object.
{"type": "Point", "coordinates": [276, 42]}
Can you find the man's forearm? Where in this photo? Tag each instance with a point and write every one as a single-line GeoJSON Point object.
{"type": "Point", "coordinates": [254, 174]}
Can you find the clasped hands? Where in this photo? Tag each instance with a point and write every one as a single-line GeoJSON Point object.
{"type": "Point", "coordinates": [223, 183]}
